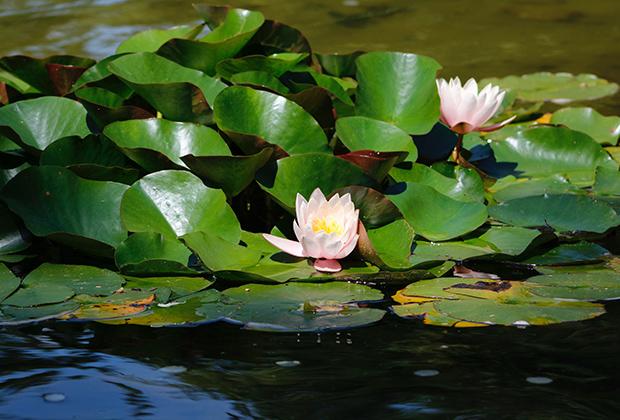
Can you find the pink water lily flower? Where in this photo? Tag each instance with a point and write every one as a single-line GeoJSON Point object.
{"type": "Point", "coordinates": [326, 230]}
{"type": "Point", "coordinates": [464, 109]}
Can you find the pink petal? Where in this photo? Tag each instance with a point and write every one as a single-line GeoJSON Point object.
{"type": "Point", "coordinates": [327, 266]}
{"type": "Point", "coordinates": [348, 247]}
{"type": "Point", "coordinates": [286, 245]}
{"type": "Point", "coordinates": [497, 126]}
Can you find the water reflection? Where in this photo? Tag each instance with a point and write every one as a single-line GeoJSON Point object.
{"type": "Point", "coordinates": [112, 372]}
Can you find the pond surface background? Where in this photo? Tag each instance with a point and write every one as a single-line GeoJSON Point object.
{"type": "Point", "coordinates": [219, 371]}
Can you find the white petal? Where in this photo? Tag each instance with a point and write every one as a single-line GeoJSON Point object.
{"type": "Point", "coordinates": [286, 245]}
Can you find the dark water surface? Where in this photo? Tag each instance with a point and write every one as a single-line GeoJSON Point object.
{"type": "Point", "coordinates": [220, 371]}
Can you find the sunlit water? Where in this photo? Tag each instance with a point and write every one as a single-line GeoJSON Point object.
{"type": "Point", "coordinates": [396, 369]}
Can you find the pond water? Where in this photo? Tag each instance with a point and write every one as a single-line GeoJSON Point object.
{"type": "Point", "coordinates": [395, 369]}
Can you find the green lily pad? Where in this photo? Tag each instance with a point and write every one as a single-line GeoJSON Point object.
{"type": "Point", "coordinates": [361, 133]}
{"type": "Point", "coordinates": [178, 286]}
{"type": "Point", "coordinates": [604, 130]}
{"type": "Point", "coordinates": [391, 244]}
{"type": "Point", "coordinates": [170, 88]}
{"type": "Point", "coordinates": [466, 184]}
{"type": "Point", "coordinates": [320, 170]}
{"type": "Point", "coordinates": [145, 141]}
{"type": "Point", "coordinates": [435, 216]}
{"type": "Point", "coordinates": [39, 294]}
{"type": "Point", "coordinates": [118, 305]}
{"type": "Point", "coordinates": [82, 279]}
{"type": "Point", "coordinates": [375, 210]}
{"type": "Point", "coordinates": [150, 253]}
{"type": "Point", "coordinates": [12, 238]}
{"type": "Point", "coordinates": [15, 315]}
{"type": "Point", "coordinates": [78, 212]}
{"type": "Point", "coordinates": [217, 171]}
{"type": "Point", "coordinates": [179, 312]}
{"type": "Point", "coordinates": [544, 151]}
{"type": "Point", "coordinates": [259, 79]}
{"type": "Point", "coordinates": [8, 282]}
{"type": "Point", "coordinates": [39, 122]}
{"type": "Point", "coordinates": [510, 188]}
{"type": "Point", "coordinates": [563, 213]}
{"type": "Point", "coordinates": [607, 181]}
{"type": "Point", "coordinates": [555, 87]}
{"type": "Point", "coordinates": [576, 253]}
{"type": "Point", "coordinates": [275, 65]}
{"type": "Point", "coordinates": [175, 203]}
{"type": "Point", "coordinates": [295, 307]}
{"type": "Point", "coordinates": [430, 315]}
{"type": "Point", "coordinates": [93, 157]}
{"type": "Point", "coordinates": [224, 41]}
{"type": "Point", "coordinates": [150, 40]}
{"type": "Point", "coordinates": [251, 113]}
{"type": "Point", "coordinates": [218, 254]}
{"type": "Point", "coordinates": [536, 313]}
{"type": "Point", "coordinates": [595, 285]}
{"type": "Point", "coordinates": [398, 88]}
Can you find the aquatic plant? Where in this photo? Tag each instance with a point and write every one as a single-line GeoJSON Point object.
{"type": "Point", "coordinates": [137, 189]}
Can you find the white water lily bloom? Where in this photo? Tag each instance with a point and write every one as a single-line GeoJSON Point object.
{"type": "Point", "coordinates": [464, 109]}
{"type": "Point", "coordinates": [326, 230]}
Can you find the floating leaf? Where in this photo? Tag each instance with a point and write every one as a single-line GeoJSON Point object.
{"type": "Point", "coordinates": [570, 254]}
{"type": "Point", "coordinates": [607, 181]}
{"type": "Point", "coordinates": [398, 88]}
{"type": "Point", "coordinates": [39, 294]}
{"type": "Point", "coordinates": [8, 282]}
{"type": "Point", "coordinates": [295, 307]}
{"type": "Point", "coordinates": [12, 238]}
{"type": "Point", "coordinates": [145, 141]}
{"type": "Point", "coordinates": [244, 111]}
{"type": "Point", "coordinates": [15, 315]}
{"type": "Point", "coordinates": [218, 254]}
{"type": "Point", "coordinates": [119, 305]}
{"type": "Point", "coordinates": [223, 42]}
{"type": "Point", "coordinates": [465, 186]}
{"type": "Point", "coordinates": [150, 40]}
{"type": "Point", "coordinates": [361, 133]}
{"type": "Point", "coordinates": [175, 203]}
{"type": "Point", "coordinates": [510, 188]}
{"type": "Point", "coordinates": [150, 253]}
{"type": "Point", "coordinates": [320, 170]}
{"type": "Point", "coordinates": [273, 65]}
{"type": "Point", "coordinates": [544, 151]}
{"type": "Point", "coordinates": [82, 279]}
{"type": "Point", "coordinates": [178, 286]}
{"type": "Point", "coordinates": [71, 204]}
{"type": "Point", "coordinates": [436, 216]}
{"type": "Point", "coordinates": [604, 130]}
{"type": "Point", "coordinates": [177, 92]}
{"type": "Point", "coordinates": [230, 173]}
{"type": "Point", "coordinates": [39, 122]}
{"type": "Point", "coordinates": [596, 285]}
{"type": "Point", "coordinates": [563, 213]}
{"type": "Point", "coordinates": [555, 87]}
{"type": "Point", "coordinates": [392, 244]}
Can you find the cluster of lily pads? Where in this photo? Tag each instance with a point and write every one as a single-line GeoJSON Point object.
{"type": "Point", "coordinates": [136, 189]}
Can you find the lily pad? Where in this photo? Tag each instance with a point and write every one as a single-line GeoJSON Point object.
{"type": "Point", "coordinates": [465, 186]}
{"type": "Point", "coordinates": [8, 282]}
{"type": "Point", "coordinates": [179, 93]}
{"type": "Point", "coordinates": [604, 130]}
{"type": "Point", "coordinates": [555, 87]}
{"type": "Point", "coordinates": [563, 213]}
{"type": "Point", "coordinates": [361, 133]}
{"type": "Point", "coordinates": [39, 294]}
{"type": "Point", "coordinates": [145, 141]}
{"type": "Point", "coordinates": [544, 151]}
{"type": "Point", "coordinates": [82, 279]}
{"type": "Point", "coordinates": [178, 286]}
{"type": "Point", "coordinates": [60, 192]}
{"type": "Point", "coordinates": [596, 285]}
{"type": "Point", "coordinates": [175, 203]}
{"type": "Point", "coordinates": [12, 239]}
{"type": "Point", "coordinates": [224, 41]}
{"type": "Point", "coordinates": [150, 253]}
{"type": "Point", "coordinates": [269, 117]}
{"type": "Point", "coordinates": [510, 188]}
{"type": "Point", "coordinates": [391, 244]}
{"type": "Point", "coordinates": [218, 254]}
{"type": "Point", "coordinates": [39, 122]}
{"type": "Point", "coordinates": [150, 40]}
{"type": "Point", "coordinates": [15, 315]}
{"type": "Point", "coordinates": [436, 216]}
{"type": "Point", "coordinates": [119, 305]}
{"type": "Point", "coordinates": [217, 171]}
{"type": "Point", "coordinates": [576, 253]}
{"type": "Point", "coordinates": [398, 88]}
{"type": "Point", "coordinates": [296, 307]}
{"type": "Point", "coordinates": [320, 170]}
{"type": "Point", "coordinates": [607, 182]}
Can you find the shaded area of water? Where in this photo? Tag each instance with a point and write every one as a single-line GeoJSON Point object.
{"type": "Point", "coordinates": [383, 371]}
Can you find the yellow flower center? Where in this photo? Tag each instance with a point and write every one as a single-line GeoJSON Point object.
{"type": "Point", "coordinates": [327, 225]}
